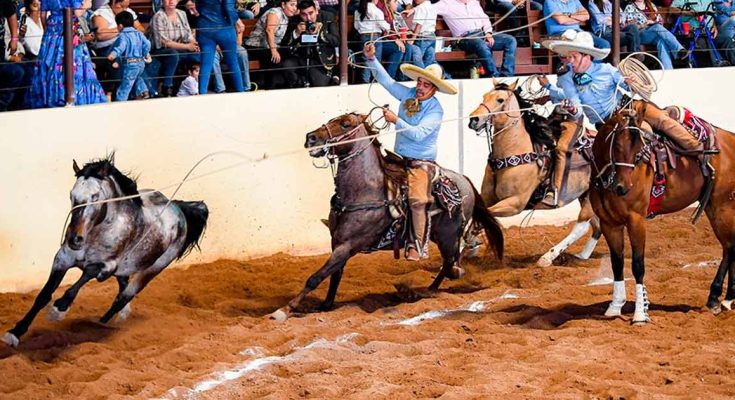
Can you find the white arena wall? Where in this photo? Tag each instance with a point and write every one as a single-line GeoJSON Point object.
{"type": "Point", "coordinates": [256, 208]}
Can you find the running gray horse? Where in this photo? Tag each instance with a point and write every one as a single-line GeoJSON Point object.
{"type": "Point", "coordinates": [361, 219]}
{"type": "Point", "coordinates": [132, 239]}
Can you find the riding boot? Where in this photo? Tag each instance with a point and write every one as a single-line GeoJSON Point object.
{"type": "Point", "coordinates": [661, 121]}
{"type": "Point", "coordinates": [561, 153]}
{"type": "Point", "coordinates": [418, 200]}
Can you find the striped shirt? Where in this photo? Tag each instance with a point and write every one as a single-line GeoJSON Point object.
{"type": "Point", "coordinates": [164, 29]}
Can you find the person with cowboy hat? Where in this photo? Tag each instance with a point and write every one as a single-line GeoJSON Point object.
{"type": "Point", "coordinates": [588, 87]}
{"type": "Point", "coordinates": [417, 129]}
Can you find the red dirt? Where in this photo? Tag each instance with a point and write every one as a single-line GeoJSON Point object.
{"type": "Point", "coordinates": [551, 342]}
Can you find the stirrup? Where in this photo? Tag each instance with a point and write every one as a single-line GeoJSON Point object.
{"type": "Point", "coordinates": [552, 195]}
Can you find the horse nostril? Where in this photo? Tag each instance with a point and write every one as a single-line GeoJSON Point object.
{"type": "Point", "coordinates": [474, 120]}
{"type": "Point", "coordinates": [620, 190]}
{"type": "Point", "coordinates": [78, 239]}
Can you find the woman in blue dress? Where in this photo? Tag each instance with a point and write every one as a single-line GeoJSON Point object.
{"type": "Point", "coordinates": [47, 84]}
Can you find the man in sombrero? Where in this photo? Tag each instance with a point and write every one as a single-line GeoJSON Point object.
{"type": "Point", "coordinates": [588, 87]}
{"type": "Point", "coordinates": [417, 129]}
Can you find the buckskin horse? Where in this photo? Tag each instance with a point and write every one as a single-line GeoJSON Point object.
{"type": "Point", "coordinates": [133, 239]}
{"type": "Point", "coordinates": [639, 174]}
{"type": "Point", "coordinates": [520, 145]}
{"type": "Point", "coordinates": [361, 219]}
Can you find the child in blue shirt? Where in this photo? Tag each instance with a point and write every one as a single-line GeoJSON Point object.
{"type": "Point", "coordinates": [133, 50]}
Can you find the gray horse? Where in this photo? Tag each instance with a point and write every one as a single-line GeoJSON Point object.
{"type": "Point", "coordinates": [361, 215]}
{"type": "Point", "coordinates": [132, 239]}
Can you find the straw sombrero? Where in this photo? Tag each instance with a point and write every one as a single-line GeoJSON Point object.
{"type": "Point", "coordinates": [433, 73]}
{"type": "Point", "coordinates": [580, 42]}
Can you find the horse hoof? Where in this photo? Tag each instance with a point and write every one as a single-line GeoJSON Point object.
{"type": "Point", "coordinates": [123, 314]}
{"type": "Point", "coordinates": [326, 306]}
{"type": "Point", "coordinates": [716, 309]}
{"type": "Point", "coordinates": [544, 261]}
{"type": "Point", "coordinates": [470, 251]}
{"type": "Point", "coordinates": [457, 272]}
{"type": "Point", "coordinates": [54, 314]}
{"type": "Point", "coordinates": [727, 304]}
{"type": "Point", "coordinates": [279, 315]}
{"type": "Point", "coordinates": [640, 319]}
{"type": "Point", "coordinates": [11, 340]}
{"type": "Point", "coordinates": [642, 322]}
{"type": "Point", "coordinates": [613, 311]}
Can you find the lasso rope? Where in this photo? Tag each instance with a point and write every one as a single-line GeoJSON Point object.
{"type": "Point", "coordinates": [640, 79]}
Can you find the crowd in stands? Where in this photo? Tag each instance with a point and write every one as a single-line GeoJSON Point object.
{"type": "Point", "coordinates": [190, 47]}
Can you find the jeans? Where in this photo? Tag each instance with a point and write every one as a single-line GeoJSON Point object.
{"type": "Point", "coordinates": [11, 77]}
{"type": "Point", "coordinates": [727, 29]}
{"type": "Point", "coordinates": [132, 76]}
{"type": "Point", "coordinates": [364, 38]}
{"type": "Point", "coordinates": [242, 58]}
{"type": "Point", "coordinates": [630, 37]}
{"type": "Point", "coordinates": [514, 19]}
{"type": "Point", "coordinates": [227, 40]}
{"type": "Point", "coordinates": [166, 61]}
{"type": "Point", "coordinates": [665, 41]}
{"type": "Point", "coordinates": [427, 46]}
{"type": "Point", "coordinates": [476, 43]}
{"type": "Point", "coordinates": [393, 55]}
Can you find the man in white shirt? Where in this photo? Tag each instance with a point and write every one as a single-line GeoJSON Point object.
{"type": "Point", "coordinates": [424, 29]}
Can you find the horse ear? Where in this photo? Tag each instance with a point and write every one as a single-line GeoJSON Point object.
{"type": "Point", "coordinates": [513, 85]}
{"type": "Point", "coordinates": [111, 158]}
{"type": "Point", "coordinates": [495, 83]}
{"type": "Point", "coordinates": [76, 167]}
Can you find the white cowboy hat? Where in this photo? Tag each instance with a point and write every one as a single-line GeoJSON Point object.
{"type": "Point", "coordinates": [580, 42]}
{"type": "Point", "coordinates": [433, 73]}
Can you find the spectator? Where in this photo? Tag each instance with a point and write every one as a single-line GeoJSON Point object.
{"type": "Point", "coordinates": [216, 26]}
{"type": "Point", "coordinates": [399, 50]}
{"type": "Point", "coordinates": [601, 11]}
{"type": "Point", "coordinates": [694, 9]}
{"type": "Point", "coordinates": [370, 24]}
{"type": "Point", "coordinates": [30, 30]}
{"type": "Point", "coordinates": [516, 12]}
{"type": "Point", "coordinates": [105, 31]}
{"type": "Point", "coordinates": [242, 56]}
{"type": "Point", "coordinates": [568, 14]}
{"type": "Point", "coordinates": [268, 33]}
{"type": "Point", "coordinates": [173, 42]}
{"type": "Point", "coordinates": [424, 30]}
{"type": "Point", "coordinates": [313, 41]}
{"type": "Point", "coordinates": [11, 75]}
{"type": "Point", "coordinates": [466, 19]}
{"type": "Point", "coordinates": [645, 16]}
{"type": "Point", "coordinates": [725, 21]}
{"type": "Point", "coordinates": [47, 85]}
{"type": "Point", "coordinates": [331, 6]}
{"type": "Point", "coordinates": [190, 9]}
{"type": "Point", "coordinates": [190, 85]}
{"type": "Point", "coordinates": [132, 49]}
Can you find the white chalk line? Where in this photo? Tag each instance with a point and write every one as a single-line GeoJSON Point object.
{"type": "Point", "coordinates": [704, 264]}
{"type": "Point", "coordinates": [474, 307]}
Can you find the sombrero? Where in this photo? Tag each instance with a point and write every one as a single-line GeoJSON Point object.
{"type": "Point", "coordinates": [433, 73]}
{"type": "Point", "coordinates": [580, 42]}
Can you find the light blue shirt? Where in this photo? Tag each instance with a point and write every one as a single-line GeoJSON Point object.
{"type": "Point", "coordinates": [598, 94]}
{"type": "Point", "coordinates": [131, 43]}
{"type": "Point", "coordinates": [556, 6]}
{"type": "Point", "coordinates": [598, 16]}
{"type": "Point", "coordinates": [416, 135]}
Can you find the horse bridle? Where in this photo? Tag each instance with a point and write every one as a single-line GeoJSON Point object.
{"type": "Point", "coordinates": [606, 181]}
{"type": "Point", "coordinates": [488, 123]}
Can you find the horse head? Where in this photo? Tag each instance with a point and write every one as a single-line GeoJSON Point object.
{"type": "Point", "coordinates": [618, 148]}
{"type": "Point", "coordinates": [337, 130]}
{"type": "Point", "coordinates": [96, 182]}
{"type": "Point", "coordinates": [499, 106]}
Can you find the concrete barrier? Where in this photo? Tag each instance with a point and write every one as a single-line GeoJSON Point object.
{"type": "Point", "coordinates": [257, 208]}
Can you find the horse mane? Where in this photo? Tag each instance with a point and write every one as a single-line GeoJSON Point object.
{"type": "Point", "coordinates": [536, 125]}
{"type": "Point", "coordinates": [104, 168]}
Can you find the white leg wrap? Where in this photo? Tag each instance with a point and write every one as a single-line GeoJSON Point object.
{"type": "Point", "coordinates": [55, 315]}
{"type": "Point", "coordinates": [641, 305]}
{"type": "Point", "coordinates": [10, 339]}
{"type": "Point", "coordinates": [123, 314]}
{"type": "Point", "coordinates": [588, 249]}
{"type": "Point", "coordinates": [579, 230]}
{"type": "Point", "coordinates": [727, 304]}
{"type": "Point", "coordinates": [618, 300]}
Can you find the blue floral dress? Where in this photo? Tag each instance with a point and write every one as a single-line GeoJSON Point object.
{"type": "Point", "coordinates": [47, 84]}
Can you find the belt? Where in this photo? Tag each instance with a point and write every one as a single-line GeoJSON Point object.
{"type": "Point", "coordinates": [471, 33]}
{"type": "Point", "coordinates": [133, 60]}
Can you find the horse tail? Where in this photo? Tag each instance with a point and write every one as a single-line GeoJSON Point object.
{"type": "Point", "coordinates": [195, 214]}
{"type": "Point", "coordinates": [493, 230]}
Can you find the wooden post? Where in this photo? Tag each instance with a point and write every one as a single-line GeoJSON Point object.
{"type": "Point", "coordinates": [69, 89]}
{"type": "Point", "coordinates": [343, 62]}
{"type": "Point", "coordinates": [616, 32]}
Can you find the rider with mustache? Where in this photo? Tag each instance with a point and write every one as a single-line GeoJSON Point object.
{"type": "Point", "coordinates": [417, 129]}
{"type": "Point", "coordinates": [590, 87]}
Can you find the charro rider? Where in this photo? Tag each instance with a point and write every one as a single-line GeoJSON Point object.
{"type": "Point", "coordinates": [417, 129]}
{"type": "Point", "coordinates": [582, 82]}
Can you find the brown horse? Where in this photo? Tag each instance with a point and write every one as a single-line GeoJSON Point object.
{"type": "Point", "coordinates": [625, 165]}
{"type": "Point", "coordinates": [509, 190]}
{"type": "Point", "coordinates": [360, 215]}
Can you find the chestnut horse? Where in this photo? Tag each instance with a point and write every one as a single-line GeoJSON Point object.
{"type": "Point", "coordinates": [625, 165]}
{"type": "Point", "coordinates": [509, 190]}
{"type": "Point", "coordinates": [360, 214]}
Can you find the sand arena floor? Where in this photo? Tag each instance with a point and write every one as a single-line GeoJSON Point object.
{"type": "Point", "coordinates": [510, 330]}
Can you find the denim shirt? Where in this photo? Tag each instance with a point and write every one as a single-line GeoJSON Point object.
{"type": "Point", "coordinates": [557, 6]}
{"type": "Point", "coordinates": [723, 11]}
{"type": "Point", "coordinates": [416, 135]}
{"type": "Point", "coordinates": [216, 13]}
{"type": "Point", "coordinates": [598, 94]}
{"type": "Point", "coordinates": [131, 43]}
{"type": "Point", "coordinates": [598, 16]}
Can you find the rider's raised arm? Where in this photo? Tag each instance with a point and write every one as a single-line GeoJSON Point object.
{"type": "Point", "coordinates": [396, 89]}
{"type": "Point", "coordinates": [430, 122]}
